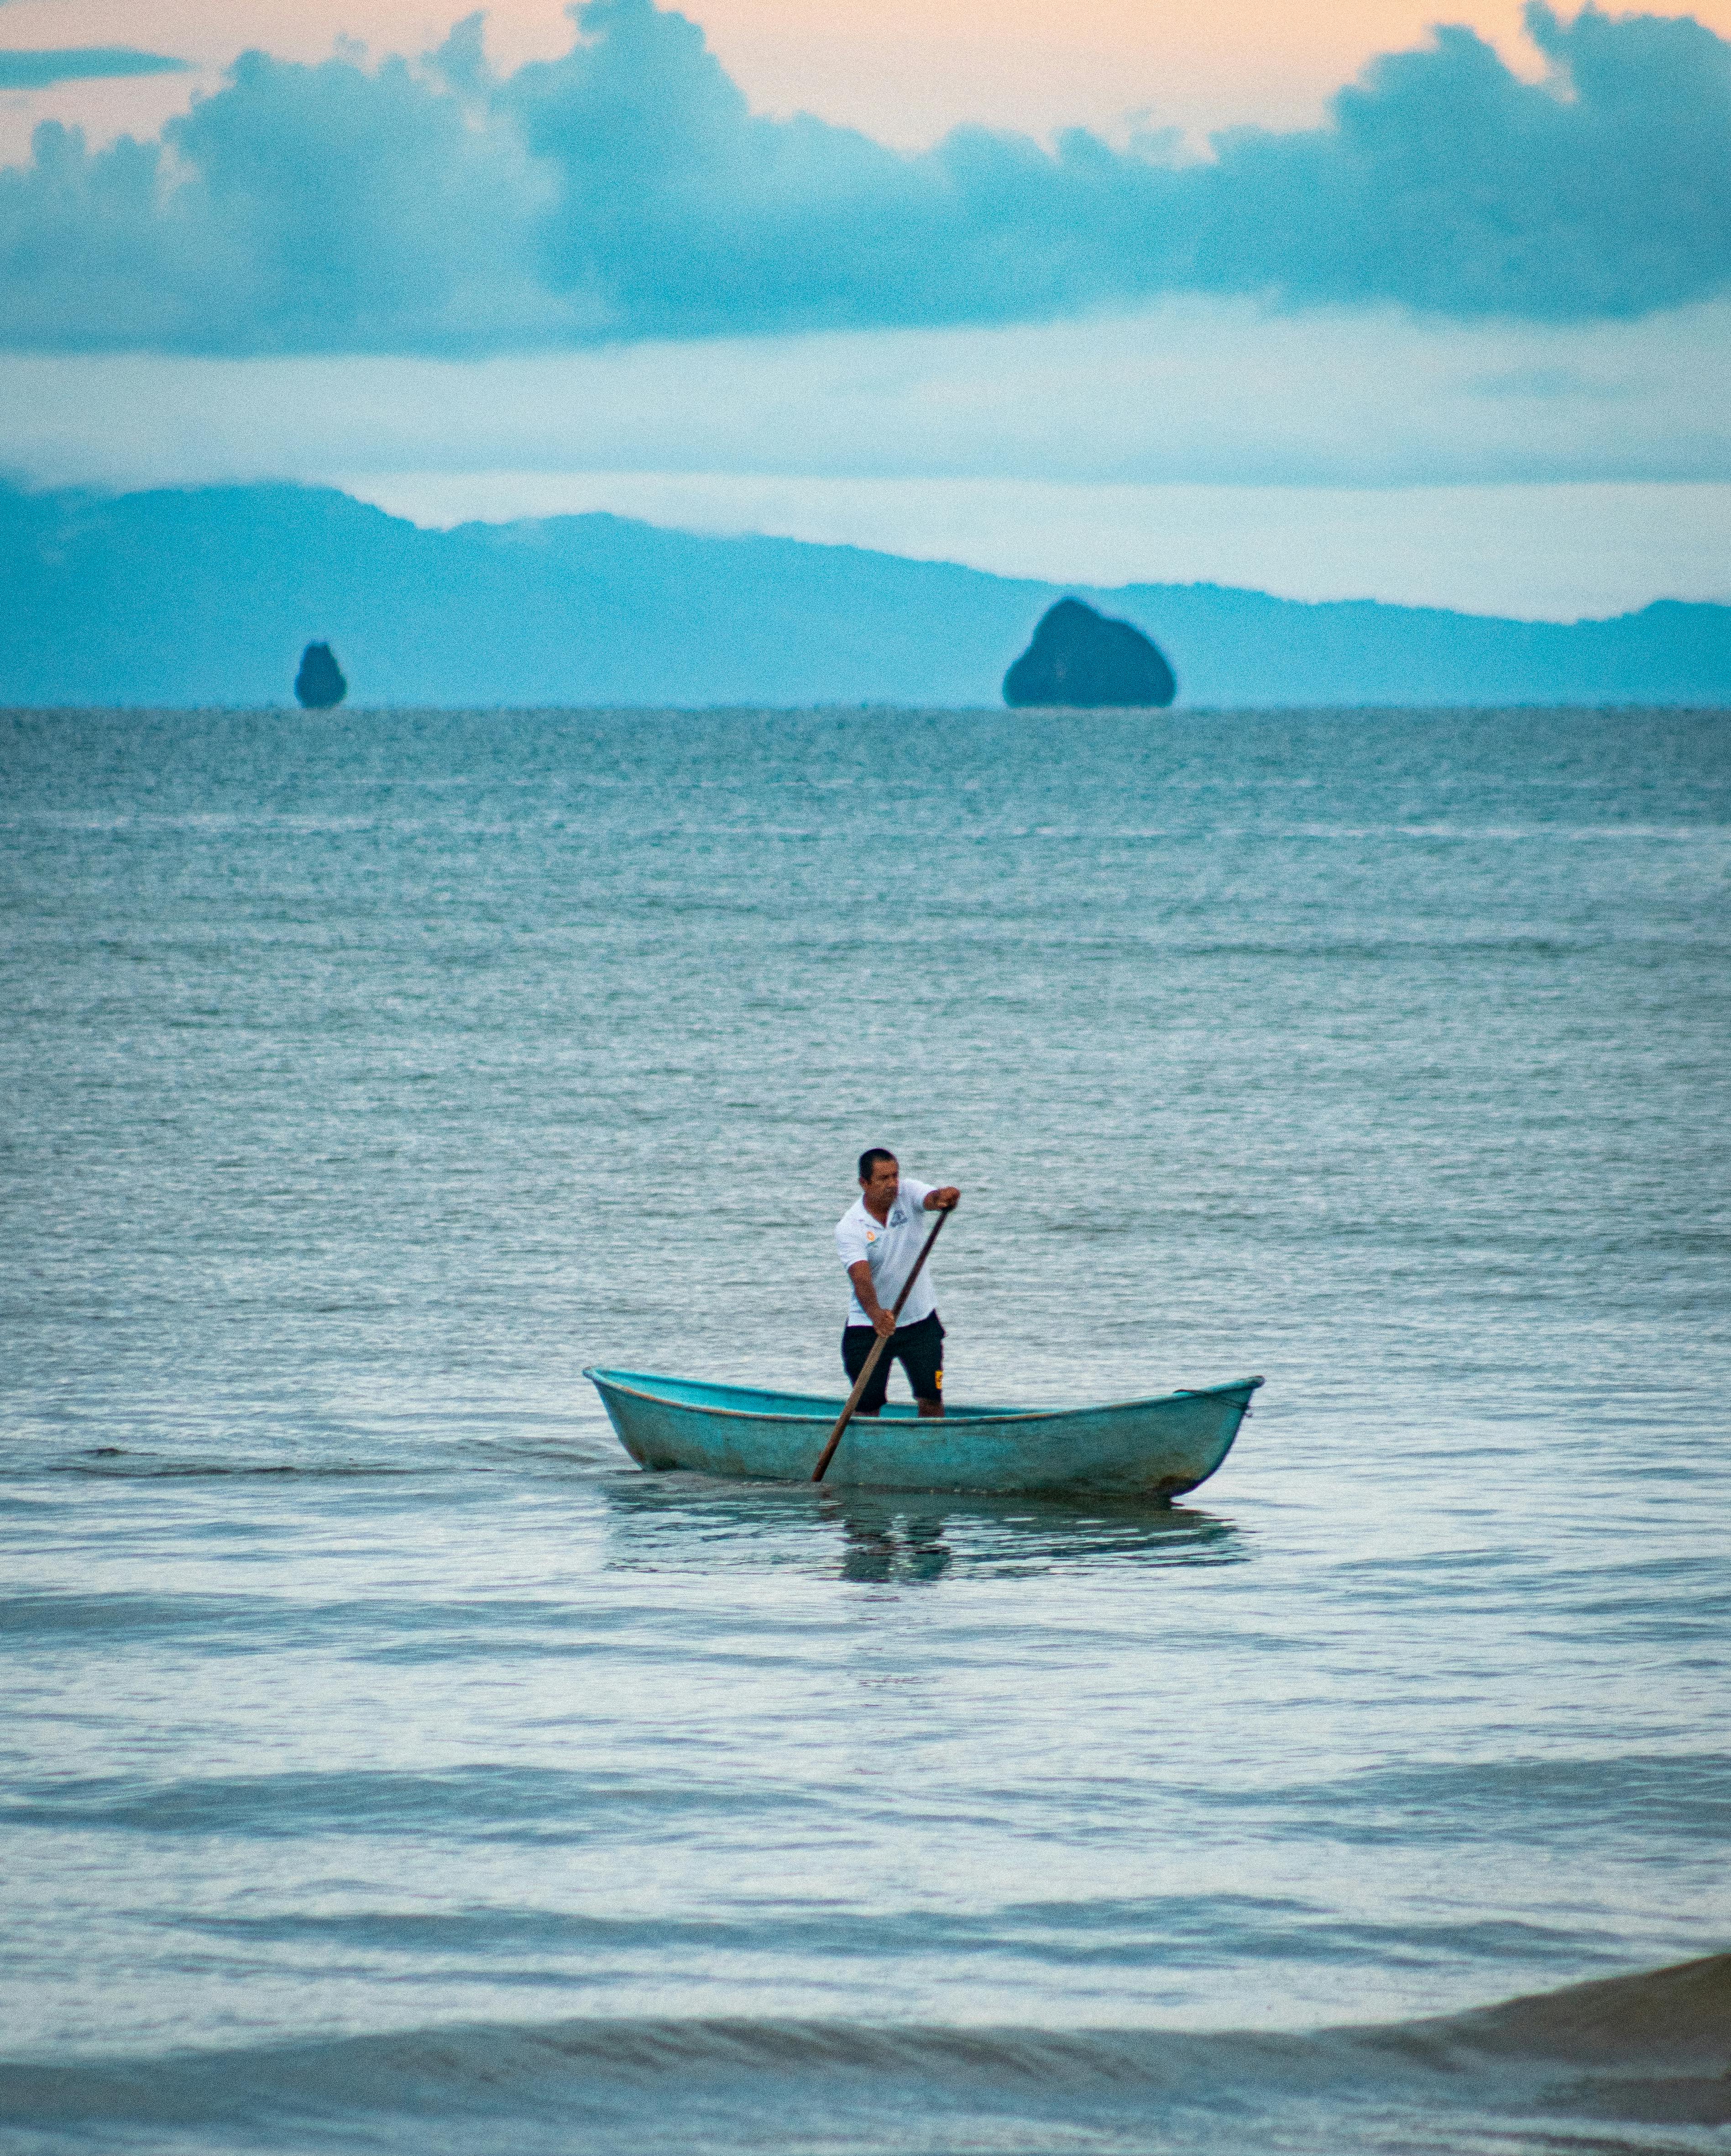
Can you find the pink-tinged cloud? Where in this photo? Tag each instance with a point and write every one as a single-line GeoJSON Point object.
{"type": "Point", "coordinates": [627, 189]}
{"type": "Point", "coordinates": [905, 71]}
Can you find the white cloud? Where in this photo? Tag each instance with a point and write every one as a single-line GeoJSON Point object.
{"type": "Point", "coordinates": [1530, 469]}
{"type": "Point", "coordinates": [1543, 553]}
{"type": "Point", "coordinates": [1205, 392]}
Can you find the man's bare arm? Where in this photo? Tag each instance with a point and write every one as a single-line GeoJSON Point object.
{"type": "Point", "coordinates": [883, 1322]}
{"type": "Point", "coordinates": [945, 1200]}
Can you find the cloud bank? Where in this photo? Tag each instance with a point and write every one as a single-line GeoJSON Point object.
{"type": "Point", "coordinates": [626, 191]}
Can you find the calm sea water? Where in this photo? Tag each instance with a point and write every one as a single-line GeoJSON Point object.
{"type": "Point", "coordinates": [386, 1763]}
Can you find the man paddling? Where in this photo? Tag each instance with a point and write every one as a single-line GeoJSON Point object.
{"type": "Point", "coordinates": [879, 1237]}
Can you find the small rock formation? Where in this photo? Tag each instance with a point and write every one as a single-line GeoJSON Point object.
{"type": "Point", "coordinates": [319, 685]}
{"type": "Point", "coordinates": [1080, 659]}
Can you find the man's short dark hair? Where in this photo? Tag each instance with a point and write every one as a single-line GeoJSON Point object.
{"type": "Point", "coordinates": [869, 1160]}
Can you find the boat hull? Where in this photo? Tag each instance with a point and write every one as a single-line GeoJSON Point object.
{"type": "Point", "coordinates": [1154, 1448]}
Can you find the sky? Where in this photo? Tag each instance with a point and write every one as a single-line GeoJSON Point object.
{"type": "Point", "coordinates": [1334, 302]}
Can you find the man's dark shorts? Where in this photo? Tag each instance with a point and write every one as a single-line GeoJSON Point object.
{"type": "Point", "coordinates": [918, 1348]}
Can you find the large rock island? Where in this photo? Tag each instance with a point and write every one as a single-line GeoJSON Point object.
{"type": "Point", "coordinates": [1086, 660]}
{"type": "Point", "coordinates": [320, 684]}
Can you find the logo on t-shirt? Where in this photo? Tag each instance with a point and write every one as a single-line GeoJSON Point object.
{"type": "Point", "coordinates": [871, 1235]}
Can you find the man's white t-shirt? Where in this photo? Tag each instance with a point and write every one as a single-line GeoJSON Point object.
{"type": "Point", "coordinates": [890, 1248]}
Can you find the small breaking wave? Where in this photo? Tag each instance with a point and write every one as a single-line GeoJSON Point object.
{"type": "Point", "coordinates": [1600, 2066]}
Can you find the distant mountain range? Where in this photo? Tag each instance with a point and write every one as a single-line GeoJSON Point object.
{"type": "Point", "coordinates": [208, 595]}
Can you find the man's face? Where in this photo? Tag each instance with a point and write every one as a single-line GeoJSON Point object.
{"type": "Point", "coordinates": [881, 1185]}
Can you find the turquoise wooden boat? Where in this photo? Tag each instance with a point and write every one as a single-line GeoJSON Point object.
{"type": "Point", "coordinates": [1151, 1449]}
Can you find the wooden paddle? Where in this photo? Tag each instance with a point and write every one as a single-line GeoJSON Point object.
{"type": "Point", "coordinates": [878, 1347]}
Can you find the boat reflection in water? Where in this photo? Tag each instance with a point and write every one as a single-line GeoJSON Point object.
{"type": "Point", "coordinates": [657, 1522]}
{"type": "Point", "coordinates": [894, 1547]}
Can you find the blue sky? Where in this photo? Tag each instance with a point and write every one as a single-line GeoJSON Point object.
{"type": "Point", "coordinates": [574, 281]}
